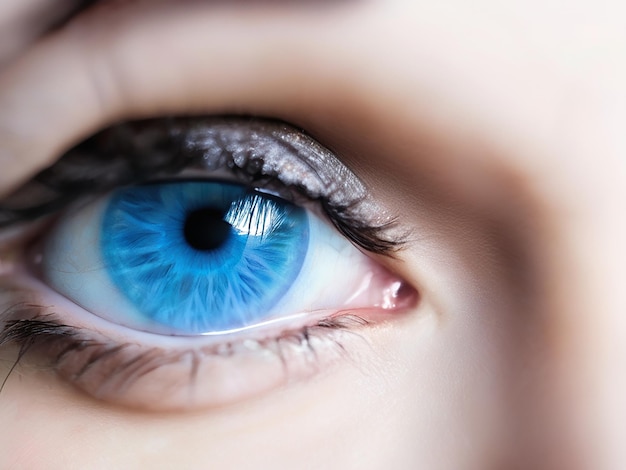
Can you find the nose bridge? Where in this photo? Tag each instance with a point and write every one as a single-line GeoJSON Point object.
{"type": "Point", "coordinates": [577, 415]}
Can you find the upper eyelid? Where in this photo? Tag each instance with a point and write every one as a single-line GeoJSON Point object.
{"type": "Point", "coordinates": [52, 104]}
{"type": "Point", "coordinates": [88, 76]}
{"type": "Point", "coordinates": [92, 74]}
{"type": "Point", "coordinates": [255, 149]}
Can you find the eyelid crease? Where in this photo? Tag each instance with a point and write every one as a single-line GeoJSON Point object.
{"type": "Point", "coordinates": [258, 151]}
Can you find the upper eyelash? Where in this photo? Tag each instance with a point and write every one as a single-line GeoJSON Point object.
{"type": "Point", "coordinates": [135, 152]}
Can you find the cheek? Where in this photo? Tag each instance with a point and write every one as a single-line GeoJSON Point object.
{"type": "Point", "coordinates": [459, 376]}
{"type": "Point", "coordinates": [327, 422]}
{"type": "Point", "coordinates": [431, 396]}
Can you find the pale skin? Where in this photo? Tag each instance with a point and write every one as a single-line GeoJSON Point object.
{"type": "Point", "coordinates": [494, 130]}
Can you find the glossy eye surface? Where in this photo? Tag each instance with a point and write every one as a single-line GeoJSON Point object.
{"type": "Point", "coordinates": [199, 257]}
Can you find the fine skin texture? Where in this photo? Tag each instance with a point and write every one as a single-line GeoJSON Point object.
{"type": "Point", "coordinates": [493, 130]}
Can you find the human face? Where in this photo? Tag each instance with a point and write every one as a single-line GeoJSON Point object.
{"type": "Point", "coordinates": [494, 135]}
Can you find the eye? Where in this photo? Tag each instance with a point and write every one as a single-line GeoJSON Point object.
{"type": "Point", "coordinates": [204, 257]}
{"type": "Point", "coordinates": [211, 286]}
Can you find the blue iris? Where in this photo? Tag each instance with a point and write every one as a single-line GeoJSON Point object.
{"type": "Point", "coordinates": [198, 256]}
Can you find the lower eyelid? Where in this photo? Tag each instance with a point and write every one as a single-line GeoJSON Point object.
{"type": "Point", "coordinates": [155, 379]}
{"type": "Point", "coordinates": [176, 377]}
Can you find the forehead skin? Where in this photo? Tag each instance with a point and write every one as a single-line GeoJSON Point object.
{"type": "Point", "coordinates": [471, 117]}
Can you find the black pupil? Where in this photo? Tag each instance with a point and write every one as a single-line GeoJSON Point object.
{"type": "Point", "coordinates": [205, 229]}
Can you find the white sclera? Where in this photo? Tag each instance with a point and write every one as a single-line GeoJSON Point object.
{"type": "Point", "coordinates": [335, 275]}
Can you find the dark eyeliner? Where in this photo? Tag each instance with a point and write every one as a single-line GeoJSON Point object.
{"type": "Point", "coordinates": [259, 152]}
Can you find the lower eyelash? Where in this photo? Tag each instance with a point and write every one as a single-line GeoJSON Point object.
{"type": "Point", "coordinates": [105, 369]}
